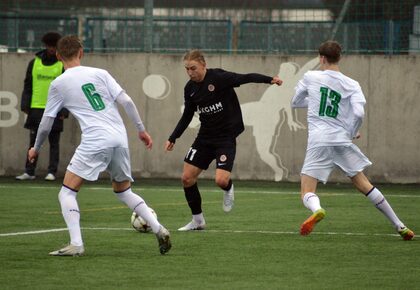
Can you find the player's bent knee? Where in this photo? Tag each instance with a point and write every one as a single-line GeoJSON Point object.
{"type": "Point", "coordinates": [222, 182]}
{"type": "Point", "coordinates": [187, 180]}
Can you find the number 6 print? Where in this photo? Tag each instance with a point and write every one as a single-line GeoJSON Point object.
{"type": "Point", "coordinates": [93, 97]}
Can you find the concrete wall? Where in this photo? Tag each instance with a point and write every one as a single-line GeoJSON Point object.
{"type": "Point", "coordinates": [273, 144]}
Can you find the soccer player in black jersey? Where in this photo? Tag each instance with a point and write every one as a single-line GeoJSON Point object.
{"type": "Point", "coordinates": [210, 92]}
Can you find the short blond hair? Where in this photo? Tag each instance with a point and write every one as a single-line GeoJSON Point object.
{"type": "Point", "coordinates": [196, 55]}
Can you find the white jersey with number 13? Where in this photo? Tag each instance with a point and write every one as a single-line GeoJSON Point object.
{"type": "Point", "coordinates": [330, 97]}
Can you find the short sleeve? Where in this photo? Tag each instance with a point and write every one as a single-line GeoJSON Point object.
{"type": "Point", "coordinates": [113, 87]}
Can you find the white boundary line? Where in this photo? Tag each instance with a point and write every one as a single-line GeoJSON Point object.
{"type": "Point", "coordinates": [256, 191]}
{"type": "Point", "coordinates": [203, 231]}
{"type": "Point", "coordinates": [33, 232]}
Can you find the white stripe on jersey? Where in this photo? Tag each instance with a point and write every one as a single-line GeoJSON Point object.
{"type": "Point", "coordinates": [329, 96]}
{"type": "Point", "coordinates": [89, 94]}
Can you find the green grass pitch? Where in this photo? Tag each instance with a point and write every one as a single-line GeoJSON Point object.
{"type": "Point", "coordinates": [256, 246]}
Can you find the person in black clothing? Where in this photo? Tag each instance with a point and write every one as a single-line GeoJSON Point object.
{"type": "Point", "coordinates": [211, 93]}
{"type": "Point", "coordinates": [41, 71]}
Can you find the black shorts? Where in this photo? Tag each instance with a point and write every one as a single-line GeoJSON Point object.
{"type": "Point", "coordinates": [202, 153]}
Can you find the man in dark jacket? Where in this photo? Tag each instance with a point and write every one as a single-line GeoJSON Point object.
{"type": "Point", "coordinates": [41, 71]}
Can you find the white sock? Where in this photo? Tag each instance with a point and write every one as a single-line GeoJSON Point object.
{"type": "Point", "coordinates": [377, 198]}
{"type": "Point", "coordinates": [199, 218]}
{"type": "Point", "coordinates": [71, 214]}
{"type": "Point", "coordinates": [311, 201]}
{"type": "Point", "coordinates": [137, 204]}
{"type": "Point", "coordinates": [231, 190]}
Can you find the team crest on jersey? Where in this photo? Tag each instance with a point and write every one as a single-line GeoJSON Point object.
{"type": "Point", "coordinates": [211, 88]}
{"type": "Point", "coordinates": [223, 158]}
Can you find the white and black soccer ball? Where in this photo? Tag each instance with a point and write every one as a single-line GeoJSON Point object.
{"type": "Point", "coordinates": [139, 224]}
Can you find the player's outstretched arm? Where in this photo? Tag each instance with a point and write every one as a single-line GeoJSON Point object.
{"type": "Point", "coordinates": [43, 131]}
{"type": "Point", "coordinates": [183, 123]}
{"type": "Point", "coordinates": [130, 108]}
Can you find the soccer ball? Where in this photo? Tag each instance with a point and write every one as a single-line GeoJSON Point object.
{"type": "Point", "coordinates": [139, 224]}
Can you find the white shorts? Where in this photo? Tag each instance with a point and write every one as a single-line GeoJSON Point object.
{"type": "Point", "coordinates": [89, 164]}
{"type": "Point", "coordinates": [320, 161]}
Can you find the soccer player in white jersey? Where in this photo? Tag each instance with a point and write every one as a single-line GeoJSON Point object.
{"type": "Point", "coordinates": [335, 105]}
{"type": "Point", "coordinates": [92, 95]}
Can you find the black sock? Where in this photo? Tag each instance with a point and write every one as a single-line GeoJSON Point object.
{"type": "Point", "coordinates": [193, 197]}
{"type": "Point", "coordinates": [229, 186]}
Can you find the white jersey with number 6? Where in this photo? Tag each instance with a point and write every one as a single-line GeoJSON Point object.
{"type": "Point", "coordinates": [89, 94]}
{"type": "Point", "coordinates": [330, 97]}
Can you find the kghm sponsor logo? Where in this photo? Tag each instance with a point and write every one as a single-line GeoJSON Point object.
{"type": "Point", "coordinates": [43, 77]}
{"type": "Point", "coordinates": [212, 109]}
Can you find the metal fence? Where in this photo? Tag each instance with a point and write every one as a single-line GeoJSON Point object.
{"type": "Point", "coordinates": [168, 35]}
{"type": "Point", "coordinates": [24, 33]}
{"type": "Point", "coordinates": [284, 27]}
{"type": "Point", "coordinates": [387, 37]}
